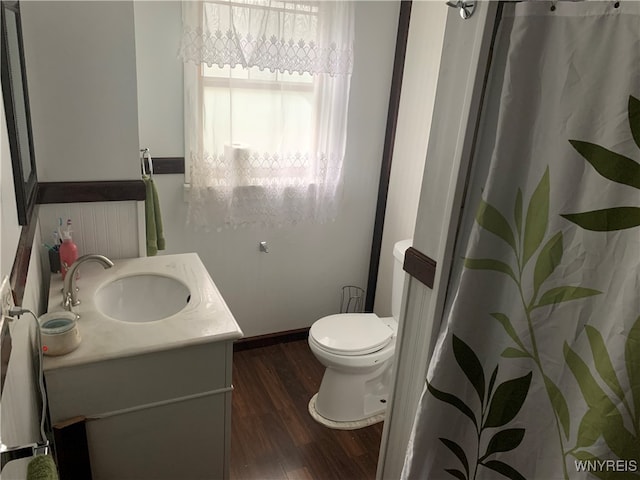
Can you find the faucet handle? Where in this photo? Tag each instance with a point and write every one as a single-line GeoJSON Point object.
{"type": "Point", "coordinates": [67, 303]}
{"type": "Point", "coordinates": [66, 300]}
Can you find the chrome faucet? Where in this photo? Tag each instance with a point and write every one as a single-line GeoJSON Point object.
{"type": "Point", "coordinates": [69, 295]}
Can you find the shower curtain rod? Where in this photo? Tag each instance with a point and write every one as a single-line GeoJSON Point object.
{"type": "Point", "coordinates": [468, 7]}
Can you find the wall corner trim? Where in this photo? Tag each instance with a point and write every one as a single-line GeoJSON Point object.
{"type": "Point", "coordinates": [167, 165]}
{"type": "Point", "coordinates": [387, 153]}
{"type": "Point", "coordinates": [101, 191]}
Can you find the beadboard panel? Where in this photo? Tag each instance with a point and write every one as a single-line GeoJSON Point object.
{"type": "Point", "coordinates": [108, 228]}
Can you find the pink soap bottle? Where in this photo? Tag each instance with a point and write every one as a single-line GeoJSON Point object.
{"type": "Point", "coordinates": [68, 252]}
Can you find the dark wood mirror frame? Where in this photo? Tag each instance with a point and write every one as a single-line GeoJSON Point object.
{"type": "Point", "coordinates": [17, 113]}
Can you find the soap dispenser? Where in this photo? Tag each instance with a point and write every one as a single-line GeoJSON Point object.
{"type": "Point", "coordinates": [68, 252]}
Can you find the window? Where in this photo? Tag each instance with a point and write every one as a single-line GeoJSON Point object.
{"type": "Point", "coordinates": [266, 94]}
{"type": "Point", "coordinates": [254, 116]}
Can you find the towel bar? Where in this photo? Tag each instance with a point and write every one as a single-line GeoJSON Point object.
{"type": "Point", "coordinates": [8, 454]}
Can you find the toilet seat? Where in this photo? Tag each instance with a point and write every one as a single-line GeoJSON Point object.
{"type": "Point", "coordinates": [351, 334]}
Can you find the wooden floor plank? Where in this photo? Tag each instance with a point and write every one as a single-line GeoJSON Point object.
{"type": "Point", "coordinates": [295, 423]}
{"type": "Point", "coordinates": [272, 434]}
{"type": "Point", "coordinates": [270, 380]}
{"type": "Point", "coordinates": [300, 474]}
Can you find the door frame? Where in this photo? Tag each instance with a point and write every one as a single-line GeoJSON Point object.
{"type": "Point", "coordinates": [464, 66]}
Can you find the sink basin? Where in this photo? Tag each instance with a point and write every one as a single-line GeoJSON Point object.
{"type": "Point", "coordinates": [142, 298]}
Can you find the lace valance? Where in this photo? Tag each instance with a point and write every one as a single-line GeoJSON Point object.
{"type": "Point", "coordinates": [274, 35]}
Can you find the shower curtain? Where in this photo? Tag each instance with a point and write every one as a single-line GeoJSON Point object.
{"type": "Point", "coordinates": [536, 370]}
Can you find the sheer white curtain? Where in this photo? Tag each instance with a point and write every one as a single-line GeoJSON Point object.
{"type": "Point", "coordinates": [266, 94]}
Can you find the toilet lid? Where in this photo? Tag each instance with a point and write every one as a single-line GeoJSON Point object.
{"type": "Point", "coordinates": [351, 333]}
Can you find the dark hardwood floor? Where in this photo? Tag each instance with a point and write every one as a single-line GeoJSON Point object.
{"type": "Point", "coordinates": [272, 434]}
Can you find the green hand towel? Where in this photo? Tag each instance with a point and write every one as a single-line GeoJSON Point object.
{"type": "Point", "coordinates": [158, 216]}
{"type": "Point", "coordinates": [42, 467]}
{"type": "Point", "coordinates": [153, 218]}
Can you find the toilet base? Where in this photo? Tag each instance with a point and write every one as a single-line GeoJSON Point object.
{"type": "Point", "coordinates": [353, 394]}
{"type": "Point", "coordinates": [365, 422]}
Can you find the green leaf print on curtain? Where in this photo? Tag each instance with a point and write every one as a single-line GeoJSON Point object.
{"type": "Point", "coordinates": [617, 168]}
{"type": "Point", "coordinates": [609, 411]}
{"type": "Point", "coordinates": [605, 418]}
{"type": "Point", "coordinates": [498, 407]}
{"type": "Point", "coordinates": [530, 242]}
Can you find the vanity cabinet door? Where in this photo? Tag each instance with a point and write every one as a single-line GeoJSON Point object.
{"type": "Point", "coordinates": [161, 415]}
{"type": "Point", "coordinates": [175, 441]}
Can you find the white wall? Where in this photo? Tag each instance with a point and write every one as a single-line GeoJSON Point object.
{"type": "Point", "coordinates": [299, 279]}
{"type": "Point", "coordinates": [160, 92]}
{"type": "Point", "coordinates": [81, 70]}
{"type": "Point", "coordinates": [9, 228]}
{"type": "Point", "coordinates": [422, 63]}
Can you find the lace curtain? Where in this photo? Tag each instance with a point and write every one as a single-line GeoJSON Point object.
{"type": "Point", "coordinates": [266, 95]}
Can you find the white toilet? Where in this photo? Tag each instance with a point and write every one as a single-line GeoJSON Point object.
{"type": "Point", "coordinates": [357, 351]}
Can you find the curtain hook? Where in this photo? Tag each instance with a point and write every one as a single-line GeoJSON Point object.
{"type": "Point", "coordinates": [466, 8]}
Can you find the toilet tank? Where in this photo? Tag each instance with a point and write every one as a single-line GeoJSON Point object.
{"type": "Point", "coordinates": [398, 276]}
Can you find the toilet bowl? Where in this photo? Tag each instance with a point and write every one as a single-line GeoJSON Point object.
{"type": "Point", "coordinates": [357, 350]}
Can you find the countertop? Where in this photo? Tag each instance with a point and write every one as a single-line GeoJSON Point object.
{"type": "Point", "coordinates": [206, 318]}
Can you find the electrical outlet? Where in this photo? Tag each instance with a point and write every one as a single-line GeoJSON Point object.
{"type": "Point", "coordinates": [6, 297]}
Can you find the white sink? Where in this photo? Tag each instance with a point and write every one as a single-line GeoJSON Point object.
{"type": "Point", "coordinates": [142, 298]}
{"type": "Point", "coordinates": [143, 305]}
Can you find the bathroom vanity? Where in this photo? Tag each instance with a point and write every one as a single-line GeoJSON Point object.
{"type": "Point", "coordinates": [152, 374]}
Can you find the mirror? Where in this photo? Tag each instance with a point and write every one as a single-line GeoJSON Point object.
{"type": "Point", "coordinates": [16, 107]}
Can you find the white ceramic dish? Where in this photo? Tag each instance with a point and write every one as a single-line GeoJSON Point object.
{"type": "Point", "coordinates": [59, 333]}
